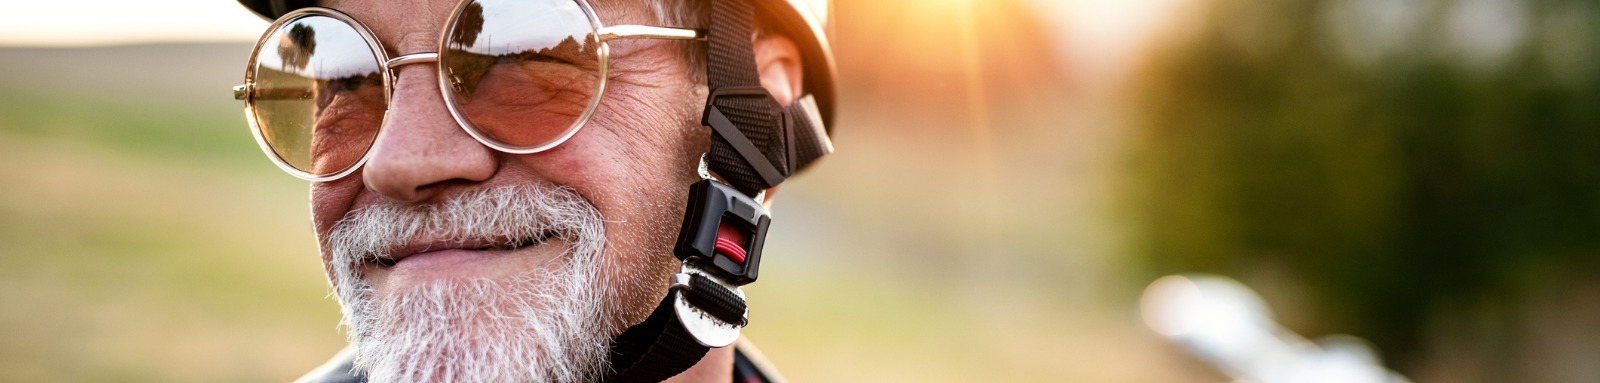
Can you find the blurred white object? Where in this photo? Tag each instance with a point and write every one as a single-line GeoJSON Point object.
{"type": "Point", "coordinates": [1230, 327]}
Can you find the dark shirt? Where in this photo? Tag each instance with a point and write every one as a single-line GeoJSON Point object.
{"type": "Point", "coordinates": [748, 367]}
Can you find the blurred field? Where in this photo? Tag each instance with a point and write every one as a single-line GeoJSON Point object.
{"type": "Point", "coordinates": [142, 242]}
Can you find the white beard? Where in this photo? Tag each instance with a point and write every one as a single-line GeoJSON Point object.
{"type": "Point", "coordinates": [539, 326]}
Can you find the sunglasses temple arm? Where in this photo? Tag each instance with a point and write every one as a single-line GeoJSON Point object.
{"type": "Point", "coordinates": [626, 32]}
{"type": "Point", "coordinates": [243, 92]}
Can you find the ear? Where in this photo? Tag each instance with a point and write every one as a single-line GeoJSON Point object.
{"type": "Point", "coordinates": [778, 60]}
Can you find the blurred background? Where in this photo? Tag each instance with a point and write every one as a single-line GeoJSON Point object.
{"type": "Point", "coordinates": [1010, 175]}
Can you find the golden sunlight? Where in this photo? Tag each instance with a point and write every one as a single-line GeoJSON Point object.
{"type": "Point", "coordinates": [108, 22]}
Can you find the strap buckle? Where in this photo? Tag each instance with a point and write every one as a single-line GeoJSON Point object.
{"type": "Point", "coordinates": [717, 211]}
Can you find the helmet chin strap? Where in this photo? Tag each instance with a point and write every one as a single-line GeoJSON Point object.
{"type": "Point", "coordinates": [756, 144]}
{"type": "Point", "coordinates": [704, 307]}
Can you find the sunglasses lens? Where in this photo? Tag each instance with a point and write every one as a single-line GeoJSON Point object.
{"type": "Point", "coordinates": [523, 74]}
{"type": "Point", "coordinates": [318, 97]}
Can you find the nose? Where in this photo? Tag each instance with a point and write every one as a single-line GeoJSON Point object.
{"type": "Point", "coordinates": [422, 149]}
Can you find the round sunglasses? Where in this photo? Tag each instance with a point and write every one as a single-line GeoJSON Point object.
{"type": "Point", "coordinates": [520, 76]}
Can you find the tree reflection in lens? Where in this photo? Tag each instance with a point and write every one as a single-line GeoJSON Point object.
{"type": "Point", "coordinates": [522, 73]}
{"type": "Point", "coordinates": [296, 50]}
{"type": "Point", "coordinates": [469, 25]}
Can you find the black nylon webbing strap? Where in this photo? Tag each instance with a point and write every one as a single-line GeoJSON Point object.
{"type": "Point", "coordinates": [715, 300]}
{"type": "Point", "coordinates": [731, 59]}
{"type": "Point", "coordinates": [655, 349]}
{"type": "Point", "coordinates": [808, 140]}
{"type": "Point", "coordinates": [660, 347]}
{"type": "Point", "coordinates": [745, 107]}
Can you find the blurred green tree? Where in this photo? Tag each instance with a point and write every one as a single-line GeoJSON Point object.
{"type": "Point", "coordinates": [1404, 165]}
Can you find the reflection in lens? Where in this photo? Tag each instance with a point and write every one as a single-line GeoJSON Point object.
{"type": "Point", "coordinates": [522, 73]}
{"type": "Point", "coordinates": [318, 96]}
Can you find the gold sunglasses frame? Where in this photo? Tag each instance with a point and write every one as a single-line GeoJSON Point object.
{"type": "Point", "coordinates": [604, 34]}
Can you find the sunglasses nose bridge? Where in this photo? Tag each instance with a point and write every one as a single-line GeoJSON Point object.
{"type": "Point", "coordinates": [414, 58]}
{"type": "Point", "coordinates": [392, 66]}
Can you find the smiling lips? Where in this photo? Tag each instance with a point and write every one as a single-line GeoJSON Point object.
{"type": "Point", "coordinates": [484, 247]}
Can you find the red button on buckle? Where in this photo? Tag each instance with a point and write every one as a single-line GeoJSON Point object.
{"type": "Point", "coordinates": [730, 242]}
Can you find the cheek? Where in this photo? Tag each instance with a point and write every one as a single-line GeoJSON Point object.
{"type": "Point", "coordinates": [634, 161]}
{"type": "Point", "coordinates": [329, 202]}
{"type": "Point", "coordinates": [640, 139]}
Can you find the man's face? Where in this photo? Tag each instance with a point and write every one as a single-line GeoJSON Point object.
{"type": "Point", "coordinates": [469, 235]}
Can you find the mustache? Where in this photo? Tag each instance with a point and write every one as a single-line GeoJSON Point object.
{"type": "Point", "coordinates": [503, 216]}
